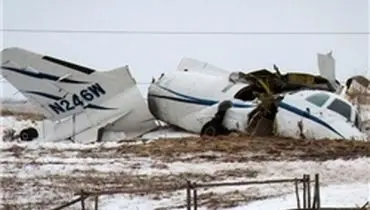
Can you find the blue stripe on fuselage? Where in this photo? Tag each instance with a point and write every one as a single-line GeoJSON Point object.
{"type": "Point", "coordinates": [195, 100]}
{"type": "Point", "coordinates": [198, 102]}
{"type": "Point", "coordinates": [307, 115]}
{"type": "Point", "coordinates": [207, 102]}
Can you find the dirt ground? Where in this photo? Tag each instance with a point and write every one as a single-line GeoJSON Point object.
{"type": "Point", "coordinates": [234, 148]}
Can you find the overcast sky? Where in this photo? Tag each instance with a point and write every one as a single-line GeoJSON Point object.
{"type": "Point", "coordinates": [149, 55]}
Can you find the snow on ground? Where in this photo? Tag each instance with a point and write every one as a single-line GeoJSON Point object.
{"type": "Point", "coordinates": [43, 175]}
{"type": "Point", "coordinates": [344, 195]}
{"type": "Point", "coordinates": [18, 125]}
{"type": "Point", "coordinates": [334, 192]}
{"type": "Point", "coordinates": [33, 173]}
{"type": "Point", "coordinates": [167, 132]}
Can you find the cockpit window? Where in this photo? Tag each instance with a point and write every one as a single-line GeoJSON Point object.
{"type": "Point", "coordinates": [318, 99]}
{"type": "Point", "coordinates": [341, 108]}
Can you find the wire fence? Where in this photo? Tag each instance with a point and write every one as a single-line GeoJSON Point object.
{"type": "Point", "coordinates": [310, 198]}
{"type": "Point", "coordinates": [171, 32]}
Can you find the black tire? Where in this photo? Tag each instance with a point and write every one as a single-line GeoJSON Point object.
{"type": "Point", "coordinates": [33, 132]}
{"type": "Point", "coordinates": [24, 135]}
{"type": "Point", "coordinates": [209, 129]}
{"type": "Point", "coordinates": [28, 134]}
{"type": "Point", "coordinates": [215, 127]}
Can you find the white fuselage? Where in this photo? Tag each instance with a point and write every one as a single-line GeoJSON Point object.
{"type": "Point", "coordinates": [190, 99]}
{"type": "Point", "coordinates": [322, 115]}
{"type": "Point", "coordinates": [189, 103]}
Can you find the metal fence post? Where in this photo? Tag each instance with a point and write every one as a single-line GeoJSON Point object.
{"type": "Point", "coordinates": [308, 191]}
{"type": "Point", "coordinates": [304, 192]}
{"type": "Point", "coordinates": [83, 203]}
{"type": "Point", "coordinates": [195, 203]}
{"type": "Point", "coordinates": [318, 190]}
{"type": "Point", "coordinates": [297, 194]}
{"type": "Point", "coordinates": [188, 195]}
{"type": "Point", "coordinates": [314, 203]}
{"type": "Point", "coordinates": [96, 202]}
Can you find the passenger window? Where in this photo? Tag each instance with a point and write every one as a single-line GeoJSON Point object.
{"type": "Point", "coordinates": [341, 108]}
{"type": "Point", "coordinates": [318, 99]}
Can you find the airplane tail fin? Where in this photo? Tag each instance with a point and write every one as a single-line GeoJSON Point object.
{"type": "Point", "coordinates": [326, 63]}
{"type": "Point", "coordinates": [61, 89]}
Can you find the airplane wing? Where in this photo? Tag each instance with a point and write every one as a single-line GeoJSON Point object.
{"type": "Point", "coordinates": [61, 89]}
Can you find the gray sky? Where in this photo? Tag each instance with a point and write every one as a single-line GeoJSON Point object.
{"type": "Point", "coordinates": [149, 55]}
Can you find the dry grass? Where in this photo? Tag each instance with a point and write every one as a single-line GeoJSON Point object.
{"type": "Point", "coordinates": [244, 148]}
{"type": "Point", "coordinates": [232, 149]}
{"type": "Point", "coordinates": [22, 115]}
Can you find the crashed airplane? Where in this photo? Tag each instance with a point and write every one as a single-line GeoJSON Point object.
{"type": "Point", "coordinates": [204, 99]}
{"type": "Point", "coordinates": [87, 105]}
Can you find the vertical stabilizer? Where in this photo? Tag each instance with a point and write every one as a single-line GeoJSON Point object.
{"type": "Point", "coordinates": [326, 63]}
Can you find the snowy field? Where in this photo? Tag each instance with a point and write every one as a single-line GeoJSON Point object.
{"type": "Point", "coordinates": [44, 175]}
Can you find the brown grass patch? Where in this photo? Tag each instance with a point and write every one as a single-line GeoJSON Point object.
{"type": "Point", "coordinates": [233, 149]}
{"type": "Point", "coordinates": [244, 148]}
{"type": "Point", "coordinates": [22, 115]}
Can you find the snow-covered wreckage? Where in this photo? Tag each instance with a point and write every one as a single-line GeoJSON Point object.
{"type": "Point", "coordinates": [86, 105]}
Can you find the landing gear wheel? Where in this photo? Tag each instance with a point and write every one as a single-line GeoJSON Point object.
{"type": "Point", "coordinates": [209, 129]}
{"type": "Point", "coordinates": [28, 134]}
{"type": "Point", "coordinates": [215, 127]}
